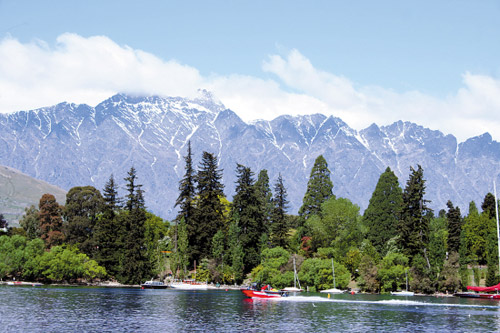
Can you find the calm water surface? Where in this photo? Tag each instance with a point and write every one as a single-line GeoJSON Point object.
{"type": "Point", "coordinates": [64, 309]}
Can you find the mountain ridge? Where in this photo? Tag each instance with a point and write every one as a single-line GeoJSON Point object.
{"type": "Point", "coordinates": [75, 144]}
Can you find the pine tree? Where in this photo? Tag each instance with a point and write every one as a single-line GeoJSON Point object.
{"type": "Point", "coordinates": [454, 218]}
{"type": "Point", "coordinates": [209, 211]}
{"type": "Point", "coordinates": [51, 223]}
{"type": "Point", "coordinates": [236, 253]}
{"type": "Point", "coordinates": [413, 227]}
{"type": "Point", "coordinates": [279, 219]}
{"type": "Point", "coordinates": [488, 205]}
{"type": "Point", "coordinates": [107, 230]}
{"type": "Point", "coordinates": [266, 197]}
{"type": "Point", "coordinates": [319, 189]}
{"type": "Point", "coordinates": [134, 265]}
{"type": "Point", "coordinates": [382, 215]}
{"type": "Point", "coordinates": [185, 201]}
{"type": "Point", "coordinates": [247, 211]}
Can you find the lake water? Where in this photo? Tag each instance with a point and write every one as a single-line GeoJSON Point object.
{"type": "Point", "coordinates": [67, 309]}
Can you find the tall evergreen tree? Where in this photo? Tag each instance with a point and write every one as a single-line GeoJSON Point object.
{"type": "Point", "coordinates": [382, 215]}
{"type": "Point", "coordinates": [247, 211]}
{"type": "Point", "coordinates": [135, 264]}
{"type": "Point", "coordinates": [488, 205]}
{"type": "Point", "coordinates": [413, 227]}
{"type": "Point", "coordinates": [185, 201]}
{"type": "Point", "coordinates": [279, 222]}
{"type": "Point", "coordinates": [266, 197]}
{"type": "Point", "coordinates": [51, 222]}
{"type": "Point", "coordinates": [319, 189]}
{"type": "Point", "coordinates": [107, 230]}
{"type": "Point", "coordinates": [209, 211]}
{"type": "Point", "coordinates": [110, 197]}
{"type": "Point", "coordinates": [454, 218]}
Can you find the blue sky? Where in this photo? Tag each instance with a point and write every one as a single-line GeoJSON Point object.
{"type": "Point", "coordinates": [436, 63]}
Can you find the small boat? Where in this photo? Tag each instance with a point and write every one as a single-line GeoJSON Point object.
{"type": "Point", "coordinates": [333, 290]}
{"type": "Point", "coordinates": [264, 292]}
{"type": "Point", "coordinates": [481, 292]}
{"type": "Point", "coordinates": [405, 292]}
{"type": "Point", "coordinates": [153, 285]}
{"type": "Point", "coordinates": [15, 283]}
{"type": "Point", "coordinates": [190, 285]}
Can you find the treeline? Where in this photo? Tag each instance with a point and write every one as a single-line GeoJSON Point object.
{"type": "Point", "coordinates": [255, 237]}
{"type": "Point", "coordinates": [93, 236]}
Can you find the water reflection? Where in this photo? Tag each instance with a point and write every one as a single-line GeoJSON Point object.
{"type": "Point", "coordinates": [105, 310]}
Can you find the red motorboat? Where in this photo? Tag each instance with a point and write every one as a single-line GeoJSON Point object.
{"type": "Point", "coordinates": [480, 292]}
{"type": "Point", "coordinates": [264, 292]}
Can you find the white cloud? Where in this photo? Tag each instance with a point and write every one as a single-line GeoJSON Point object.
{"type": "Point", "coordinates": [89, 70]}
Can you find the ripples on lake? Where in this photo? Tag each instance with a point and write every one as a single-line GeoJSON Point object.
{"type": "Point", "coordinates": [57, 309]}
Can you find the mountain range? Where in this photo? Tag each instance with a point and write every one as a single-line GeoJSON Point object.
{"type": "Point", "coordinates": [75, 144]}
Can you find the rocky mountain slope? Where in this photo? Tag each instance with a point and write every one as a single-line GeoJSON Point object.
{"type": "Point", "coordinates": [71, 145]}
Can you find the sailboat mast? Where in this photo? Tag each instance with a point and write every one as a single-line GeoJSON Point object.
{"type": "Point", "coordinates": [498, 228]}
{"type": "Point", "coordinates": [333, 273]}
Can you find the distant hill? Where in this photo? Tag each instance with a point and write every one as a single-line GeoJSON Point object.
{"type": "Point", "coordinates": [18, 191]}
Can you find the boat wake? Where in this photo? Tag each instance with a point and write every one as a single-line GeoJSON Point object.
{"type": "Point", "coordinates": [390, 302]}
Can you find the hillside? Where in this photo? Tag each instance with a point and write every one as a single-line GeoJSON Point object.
{"type": "Point", "coordinates": [18, 191]}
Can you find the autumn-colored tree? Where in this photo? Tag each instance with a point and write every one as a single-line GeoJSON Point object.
{"type": "Point", "coordinates": [50, 219]}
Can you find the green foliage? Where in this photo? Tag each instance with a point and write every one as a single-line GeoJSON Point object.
{"type": "Point", "coordinates": [20, 257]}
{"type": "Point", "coordinates": [83, 206]}
{"type": "Point", "coordinates": [279, 220]}
{"type": "Point", "coordinates": [317, 274]}
{"type": "Point", "coordinates": [449, 279]}
{"type": "Point", "coordinates": [475, 231]}
{"type": "Point", "coordinates": [247, 211]}
{"type": "Point", "coordinates": [454, 218]}
{"type": "Point", "coordinates": [68, 264]}
{"type": "Point", "coordinates": [383, 211]}
{"type": "Point", "coordinates": [488, 205]}
{"type": "Point", "coordinates": [413, 227]}
{"type": "Point", "coordinates": [338, 227]}
{"type": "Point", "coordinates": [319, 189]}
{"type": "Point", "coordinates": [391, 272]}
{"type": "Point", "coordinates": [30, 222]}
{"type": "Point", "coordinates": [236, 253]}
{"type": "Point", "coordinates": [368, 273]}
{"type": "Point", "coordinates": [423, 280]}
{"type": "Point", "coordinates": [266, 198]}
{"type": "Point", "coordinates": [438, 236]}
{"type": "Point", "coordinates": [268, 272]}
{"type": "Point", "coordinates": [156, 240]}
{"type": "Point", "coordinates": [208, 217]}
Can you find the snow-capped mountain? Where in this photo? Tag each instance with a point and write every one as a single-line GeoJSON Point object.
{"type": "Point", "coordinates": [72, 145]}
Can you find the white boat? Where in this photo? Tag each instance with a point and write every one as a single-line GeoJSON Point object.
{"type": "Point", "coordinates": [296, 281]}
{"type": "Point", "coordinates": [153, 285]}
{"type": "Point", "coordinates": [406, 292]}
{"type": "Point", "coordinates": [333, 290]}
{"type": "Point", "coordinates": [190, 285]}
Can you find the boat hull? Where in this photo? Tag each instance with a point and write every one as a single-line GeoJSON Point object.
{"type": "Point", "coordinates": [261, 294]}
{"type": "Point", "coordinates": [474, 295]}
{"type": "Point", "coordinates": [403, 293]}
